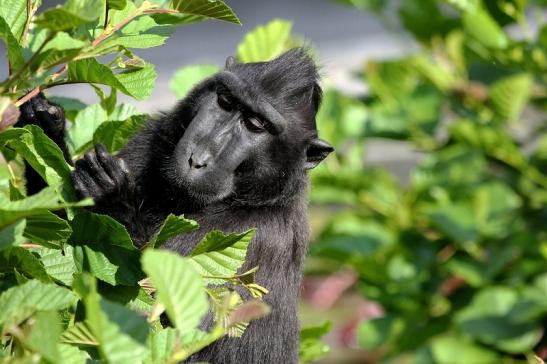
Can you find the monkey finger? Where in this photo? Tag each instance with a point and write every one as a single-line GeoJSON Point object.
{"type": "Point", "coordinates": [97, 172]}
{"type": "Point", "coordinates": [130, 182]}
{"type": "Point", "coordinates": [110, 165]}
{"type": "Point", "coordinates": [27, 115]}
{"type": "Point", "coordinates": [84, 185]}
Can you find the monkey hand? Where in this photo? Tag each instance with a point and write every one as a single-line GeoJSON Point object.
{"type": "Point", "coordinates": [106, 179]}
{"type": "Point", "coordinates": [47, 115]}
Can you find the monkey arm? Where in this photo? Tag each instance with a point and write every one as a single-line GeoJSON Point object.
{"type": "Point", "coordinates": [51, 118]}
{"type": "Point", "coordinates": [98, 175]}
{"type": "Point", "coordinates": [108, 180]}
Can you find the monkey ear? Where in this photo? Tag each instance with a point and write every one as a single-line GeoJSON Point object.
{"type": "Point", "coordinates": [318, 150]}
{"type": "Point", "coordinates": [230, 62]}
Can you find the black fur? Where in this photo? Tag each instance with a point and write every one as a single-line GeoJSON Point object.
{"type": "Point", "coordinates": [267, 190]}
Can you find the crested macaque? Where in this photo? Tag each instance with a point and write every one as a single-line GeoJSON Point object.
{"type": "Point", "coordinates": [232, 155]}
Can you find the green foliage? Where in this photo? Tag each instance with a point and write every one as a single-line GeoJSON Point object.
{"type": "Point", "coordinates": [74, 288]}
{"type": "Point", "coordinates": [186, 77]}
{"type": "Point", "coordinates": [265, 42]}
{"type": "Point", "coordinates": [311, 347]}
{"type": "Point", "coordinates": [455, 254]}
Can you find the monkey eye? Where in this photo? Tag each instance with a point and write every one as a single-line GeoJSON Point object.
{"type": "Point", "coordinates": [225, 101]}
{"type": "Point", "coordinates": [254, 124]}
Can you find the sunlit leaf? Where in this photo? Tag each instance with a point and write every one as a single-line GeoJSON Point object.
{"type": "Point", "coordinates": [265, 42]}
{"type": "Point", "coordinates": [70, 15]}
{"type": "Point", "coordinates": [14, 13]}
{"type": "Point", "coordinates": [179, 288]}
{"type": "Point", "coordinates": [187, 77]}
{"type": "Point", "coordinates": [22, 301]}
{"type": "Point", "coordinates": [172, 226]}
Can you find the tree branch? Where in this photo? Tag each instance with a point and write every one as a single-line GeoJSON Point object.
{"type": "Point", "coordinates": [104, 35]}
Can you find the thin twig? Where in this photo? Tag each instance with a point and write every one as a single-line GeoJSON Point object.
{"type": "Point", "coordinates": [60, 83]}
{"type": "Point", "coordinates": [35, 91]}
{"type": "Point", "coordinates": [108, 32]}
{"type": "Point", "coordinates": [161, 11]}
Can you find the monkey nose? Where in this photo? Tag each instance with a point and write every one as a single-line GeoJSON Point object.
{"type": "Point", "coordinates": [198, 162]}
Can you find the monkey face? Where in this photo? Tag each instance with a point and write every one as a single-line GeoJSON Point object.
{"type": "Point", "coordinates": [216, 146]}
{"type": "Point", "coordinates": [246, 138]}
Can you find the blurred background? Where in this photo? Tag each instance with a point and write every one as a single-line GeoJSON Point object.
{"type": "Point", "coordinates": [429, 223]}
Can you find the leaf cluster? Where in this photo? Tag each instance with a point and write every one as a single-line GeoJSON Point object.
{"type": "Point", "coordinates": [454, 251]}
{"type": "Point", "coordinates": [73, 286]}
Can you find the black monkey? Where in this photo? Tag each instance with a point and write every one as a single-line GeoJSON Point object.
{"type": "Point", "coordinates": [232, 155]}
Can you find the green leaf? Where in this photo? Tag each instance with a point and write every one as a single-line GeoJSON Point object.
{"type": "Point", "coordinates": [141, 32]}
{"type": "Point", "coordinates": [59, 264]}
{"type": "Point", "coordinates": [350, 236]}
{"type": "Point", "coordinates": [40, 152]}
{"type": "Point", "coordinates": [89, 228]}
{"type": "Point", "coordinates": [136, 83]}
{"type": "Point", "coordinates": [123, 112]}
{"type": "Point", "coordinates": [115, 134]}
{"type": "Point", "coordinates": [80, 135]}
{"type": "Point", "coordinates": [24, 262]}
{"type": "Point", "coordinates": [47, 199]}
{"type": "Point", "coordinates": [147, 38]}
{"type": "Point", "coordinates": [216, 240]}
{"type": "Point", "coordinates": [495, 209]}
{"type": "Point", "coordinates": [488, 319]}
{"type": "Point", "coordinates": [132, 297]}
{"type": "Point", "coordinates": [172, 226]}
{"type": "Point", "coordinates": [424, 19]}
{"type": "Point", "coordinates": [219, 255]}
{"type": "Point", "coordinates": [454, 168]}
{"type": "Point", "coordinates": [73, 355]}
{"type": "Point", "coordinates": [79, 334]}
{"type": "Point", "coordinates": [116, 4]}
{"type": "Point", "coordinates": [510, 95]}
{"type": "Point", "coordinates": [375, 332]}
{"type": "Point", "coordinates": [187, 77]}
{"type": "Point", "coordinates": [14, 13]}
{"type": "Point", "coordinates": [464, 5]}
{"type": "Point", "coordinates": [311, 346]}
{"type": "Point", "coordinates": [456, 220]}
{"type": "Point", "coordinates": [109, 251]}
{"type": "Point", "coordinates": [20, 302]}
{"type": "Point", "coordinates": [120, 332]}
{"type": "Point", "coordinates": [161, 345]}
{"type": "Point", "coordinates": [12, 234]}
{"type": "Point", "coordinates": [42, 343]}
{"type": "Point", "coordinates": [15, 53]}
{"type": "Point", "coordinates": [448, 347]}
{"type": "Point", "coordinates": [47, 229]}
{"type": "Point", "coordinates": [179, 288]}
{"type": "Point", "coordinates": [71, 15]}
{"type": "Point", "coordinates": [195, 10]}
{"type": "Point", "coordinates": [57, 50]}
{"type": "Point", "coordinates": [480, 25]}
{"type": "Point", "coordinates": [112, 264]}
{"type": "Point", "coordinates": [265, 42]}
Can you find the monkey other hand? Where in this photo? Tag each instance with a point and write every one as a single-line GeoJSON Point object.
{"type": "Point", "coordinates": [105, 178]}
{"type": "Point", "coordinates": [47, 115]}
